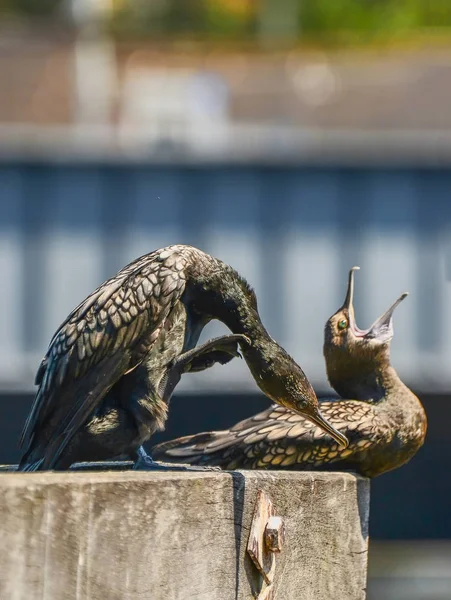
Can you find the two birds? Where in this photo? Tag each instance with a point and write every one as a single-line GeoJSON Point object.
{"type": "Point", "coordinates": [110, 369]}
{"type": "Point", "coordinates": [383, 420]}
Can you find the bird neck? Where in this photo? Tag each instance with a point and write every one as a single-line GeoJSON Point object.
{"type": "Point", "coordinates": [262, 350]}
{"type": "Point", "coordinates": [371, 378]}
{"type": "Point", "coordinates": [221, 293]}
{"type": "Point", "coordinates": [247, 322]}
{"type": "Point", "coordinates": [365, 376]}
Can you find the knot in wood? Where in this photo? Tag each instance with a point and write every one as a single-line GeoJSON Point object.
{"type": "Point", "coordinates": [275, 534]}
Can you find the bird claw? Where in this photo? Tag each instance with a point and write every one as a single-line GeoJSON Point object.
{"type": "Point", "coordinates": [246, 339]}
{"type": "Point", "coordinates": [235, 351]}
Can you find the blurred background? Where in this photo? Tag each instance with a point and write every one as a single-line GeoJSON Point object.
{"type": "Point", "coordinates": [291, 138]}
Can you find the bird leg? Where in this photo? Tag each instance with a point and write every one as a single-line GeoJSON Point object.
{"type": "Point", "coordinates": [147, 402]}
{"type": "Point", "coordinates": [218, 350]}
{"type": "Point", "coordinates": [149, 411]}
{"type": "Point", "coordinates": [145, 462]}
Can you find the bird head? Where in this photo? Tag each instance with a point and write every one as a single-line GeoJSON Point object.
{"type": "Point", "coordinates": [354, 355]}
{"type": "Point", "coordinates": [283, 381]}
{"type": "Point", "coordinates": [342, 331]}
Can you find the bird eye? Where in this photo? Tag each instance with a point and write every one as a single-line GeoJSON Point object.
{"type": "Point", "coordinates": [342, 324]}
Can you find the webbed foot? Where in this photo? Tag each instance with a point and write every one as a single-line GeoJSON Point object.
{"type": "Point", "coordinates": [218, 350]}
{"type": "Point", "coordinates": [146, 463]}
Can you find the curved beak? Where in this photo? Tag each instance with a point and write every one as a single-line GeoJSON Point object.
{"type": "Point", "coordinates": [317, 418]}
{"type": "Point", "coordinates": [309, 409]}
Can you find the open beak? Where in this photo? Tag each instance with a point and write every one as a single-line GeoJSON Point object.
{"type": "Point", "coordinates": [349, 306]}
{"type": "Point", "coordinates": [350, 291]}
{"type": "Point", "coordinates": [382, 328]}
{"type": "Point", "coordinates": [317, 418]}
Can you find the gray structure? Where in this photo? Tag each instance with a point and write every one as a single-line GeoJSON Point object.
{"type": "Point", "coordinates": [292, 230]}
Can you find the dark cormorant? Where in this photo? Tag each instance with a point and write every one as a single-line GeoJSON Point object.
{"type": "Point", "coordinates": [111, 367]}
{"type": "Point", "coordinates": [384, 422]}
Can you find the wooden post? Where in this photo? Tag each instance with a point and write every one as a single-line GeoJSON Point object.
{"type": "Point", "coordinates": [125, 535]}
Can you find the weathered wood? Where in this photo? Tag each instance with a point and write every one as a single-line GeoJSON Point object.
{"type": "Point", "coordinates": [266, 537]}
{"type": "Point", "coordinates": [178, 536]}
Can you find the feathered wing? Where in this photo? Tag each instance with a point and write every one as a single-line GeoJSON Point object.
{"type": "Point", "coordinates": [106, 336]}
{"type": "Point", "coordinates": [276, 438]}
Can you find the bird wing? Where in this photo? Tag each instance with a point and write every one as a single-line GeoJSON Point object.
{"type": "Point", "coordinates": [106, 336]}
{"type": "Point", "coordinates": [274, 438]}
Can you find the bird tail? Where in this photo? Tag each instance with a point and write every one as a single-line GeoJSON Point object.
{"type": "Point", "coordinates": [200, 449]}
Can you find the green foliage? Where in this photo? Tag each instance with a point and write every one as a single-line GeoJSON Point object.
{"type": "Point", "coordinates": [241, 19]}
{"type": "Point", "coordinates": [29, 7]}
{"type": "Point", "coordinates": [206, 18]}
{"type": "Point", "coordinates": [323, 16]}
{"type": "Point", "coordinates": [317, 18]}
{"type": "Point", "coordinates": [218, 17]}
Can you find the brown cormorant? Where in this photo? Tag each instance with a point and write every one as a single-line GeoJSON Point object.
{"type": "Point", "coordinates": [111, 367]}
{"type": "Point", "coordinates": [383, 420]}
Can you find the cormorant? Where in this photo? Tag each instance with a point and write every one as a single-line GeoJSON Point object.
{"type": "Point", "coordinates": [383, 420]}
{"type": "Point", "coordinates": [111, 367]}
